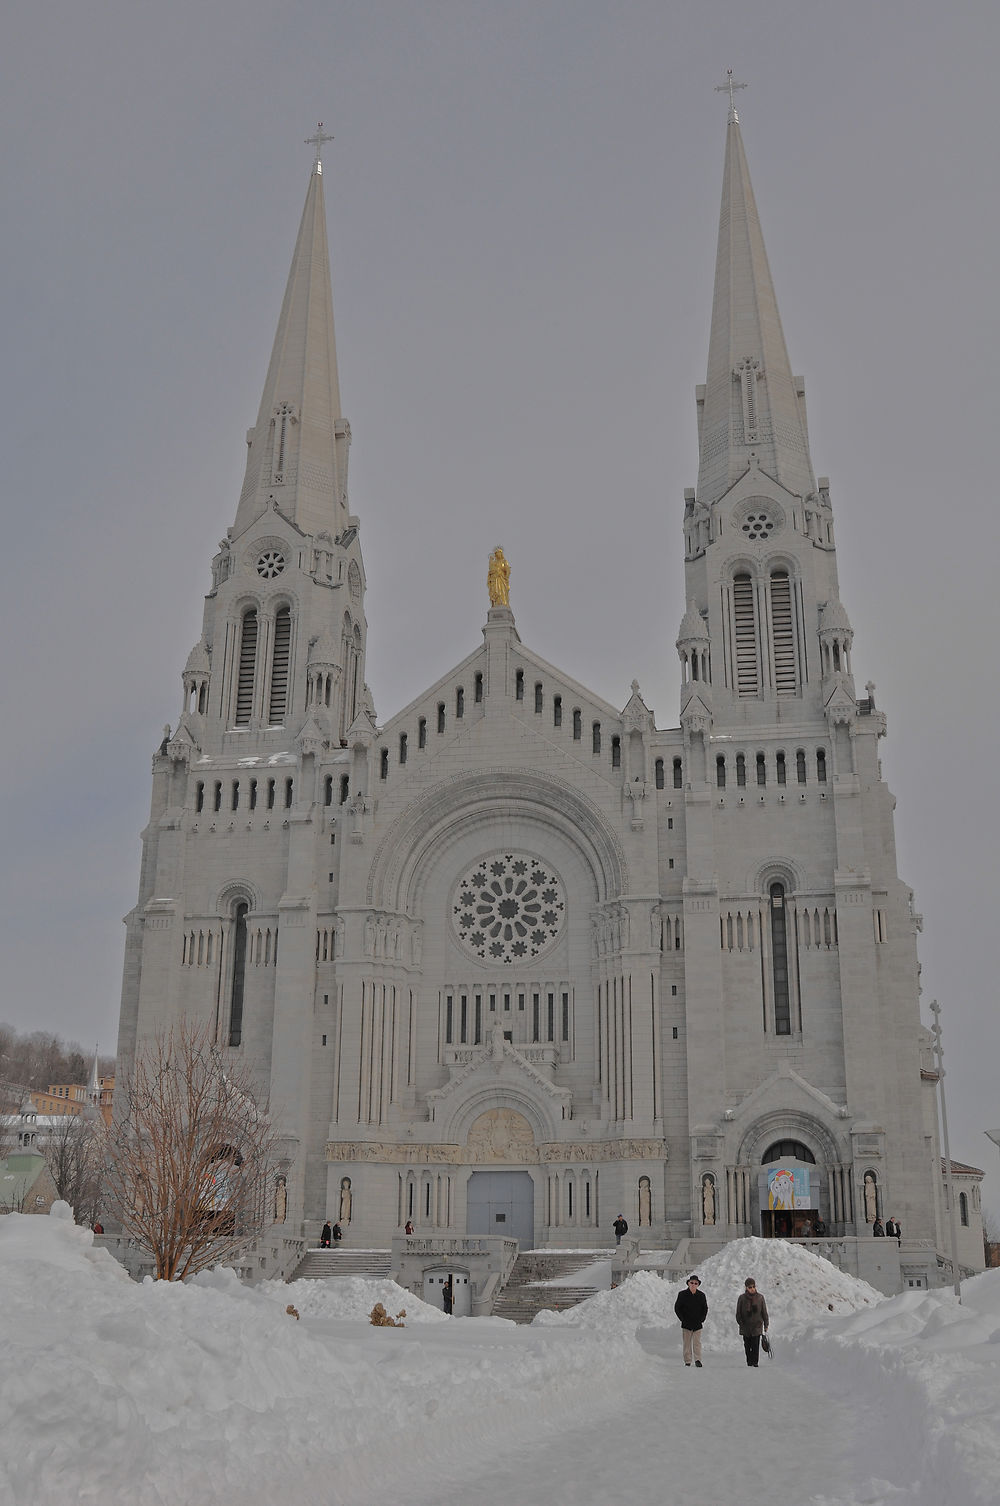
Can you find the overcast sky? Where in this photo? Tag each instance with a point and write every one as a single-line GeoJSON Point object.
{"type": "Point", "coordinates": [523, 203]}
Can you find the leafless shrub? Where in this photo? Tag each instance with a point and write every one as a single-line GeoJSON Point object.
{"type": "Point", "coordinates": [190, 1155]}
{"type": "Point", "coordinates": [73, 1153]}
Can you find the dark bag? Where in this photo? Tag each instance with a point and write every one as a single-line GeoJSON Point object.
{"type": "Point", "coordinates": [765, 1344]}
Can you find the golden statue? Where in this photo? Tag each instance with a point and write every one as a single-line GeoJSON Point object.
{"type": "Point", "coordinates": [498, 579]}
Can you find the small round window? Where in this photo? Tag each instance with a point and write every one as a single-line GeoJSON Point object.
{"type": "Point", "coordinates": [758, 525]}
{"type": "Point", "coordinates": [508, 908]}
{"type": "Point", "coordinates": [270, 564]}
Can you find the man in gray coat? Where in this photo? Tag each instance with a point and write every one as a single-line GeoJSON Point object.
{"type": "Point", "coordinates": [752, 1320]}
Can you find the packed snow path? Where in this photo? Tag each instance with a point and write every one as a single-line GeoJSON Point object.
{"type": "Point", "coordinates": [661, 1434]}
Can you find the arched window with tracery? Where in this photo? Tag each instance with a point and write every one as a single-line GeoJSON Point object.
{"type": "Point", "coordinates": [787, 1150]}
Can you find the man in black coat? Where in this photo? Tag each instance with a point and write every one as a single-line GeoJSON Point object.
{"type": "Point", "coordinates": [692, 1309]}
{"type": "Point", "coordinates": [620, 1227]}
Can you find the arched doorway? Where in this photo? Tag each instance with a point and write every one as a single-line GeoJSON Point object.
{"type": "Point", "coordinates": [501, 1202]}
{"type": "Point", "coordinates": [790, 1190]}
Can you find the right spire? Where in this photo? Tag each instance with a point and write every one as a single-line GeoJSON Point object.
{"type": "Point", "coordinates": [751, 404]}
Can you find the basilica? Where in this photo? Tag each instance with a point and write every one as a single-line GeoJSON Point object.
{"type": "Point", "coordinates": [517, 961]}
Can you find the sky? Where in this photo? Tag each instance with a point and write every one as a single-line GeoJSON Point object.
{"type": "Point", "coordinates": [212, 1391]}
{"type": "Point", "coordinates": [523, 205]}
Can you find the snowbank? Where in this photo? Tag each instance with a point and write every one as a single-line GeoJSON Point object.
{"type": "Point", "coordinates": [118, 1392]}
{"type": "Point", "coordinates": [172, 1395]}
{"type": "Point", "coordinates": [796, 1283]}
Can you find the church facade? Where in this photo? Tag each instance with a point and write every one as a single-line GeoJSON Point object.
{"type": "Point", "coordinates": [517, 961]}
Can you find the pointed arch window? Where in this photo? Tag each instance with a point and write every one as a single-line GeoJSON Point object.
{"type": "Point", "coordinates": [779, 961]}
{"type": "Point", "coordinates": [279, 666]}
{"type": "Point", "coordinates": [239, 973]}
{"type": "Point", "coordinates": [786, 680]}
{"type": "Point", "coordinates": [247, 670]}
{"type": "Point", "coordinates": [745, 636]}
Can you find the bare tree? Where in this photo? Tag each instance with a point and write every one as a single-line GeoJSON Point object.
{"type": "Point", "coordinates": [73, 1154]}
{"type": "Point", "coordinates": [190, 1156]}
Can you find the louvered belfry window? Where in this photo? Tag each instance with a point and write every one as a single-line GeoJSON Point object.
{"type": "Point", "coordinates": [783, 634]}
{"type": "Point", "coordinates": [745, 636]}
{"type": "Point", "coordinates": [247, 669]}
{"type": "Point", "coordinates": [279, 666]}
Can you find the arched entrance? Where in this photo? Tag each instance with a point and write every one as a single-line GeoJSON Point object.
{"type": "Point", "coordinates": [501, 1202]}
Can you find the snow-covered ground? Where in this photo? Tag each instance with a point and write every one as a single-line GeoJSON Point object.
{"type": "Point", "coordinates": [172, 1395]}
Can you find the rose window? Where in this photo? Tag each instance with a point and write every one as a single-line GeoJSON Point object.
{"type": "Point", "coordinates": [508, 908]}
{"type": "Point", "coordinates": [270, 564]}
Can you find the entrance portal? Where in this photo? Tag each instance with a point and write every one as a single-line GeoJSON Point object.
{"type": "Point", "coordinates": [501, 1202]}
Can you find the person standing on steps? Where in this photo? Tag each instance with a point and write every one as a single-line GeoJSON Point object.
{"type": "Point", "coordinates": [620, 1227]}
{"type": "Point", "coordinates": [448, 1295]}
{"type": "Point", "coordinates": [752, 1320]}
{"type": "Point", "coordinates": [892, 1229]}
{"type": "Point", "coordinates": [336, 1234]}
{"type": "Point", "coordinates": [325, 1236]}
{"type": "Point", "coordinates": [692, 1309]}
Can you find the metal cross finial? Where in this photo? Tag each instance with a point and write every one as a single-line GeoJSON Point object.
{"type": "Point", "coordinates": [317, 142]}
{"type": "Point", "coordinates": [730, 87]}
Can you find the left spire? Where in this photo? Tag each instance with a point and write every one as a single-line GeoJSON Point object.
{"type": "Point", "coordinates": [298, 446]}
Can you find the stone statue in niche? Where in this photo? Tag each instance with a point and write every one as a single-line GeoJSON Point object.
{"type": "Point", "coordinates": [344, 1216]}
{"type": "Point", "coordinates": [645, 1203]}
{"type": "Point", "coordinates": [871, 1198]}
{"type": "Point", "coordinates": [280, 1200]}
{"type": "Point", "coordinates": [708, 1199]}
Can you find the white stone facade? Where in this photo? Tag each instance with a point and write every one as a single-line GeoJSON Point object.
{"type": "Point", "coordinates": [518, 960]}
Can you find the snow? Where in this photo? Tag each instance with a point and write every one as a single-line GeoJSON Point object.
{"type": "Point", "coordinates": [117, 1392]}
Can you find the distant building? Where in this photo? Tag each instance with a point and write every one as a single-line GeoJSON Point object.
{"type": "Point", "coordinates": [516, 959]}
{"type": "Point", "coordinates": [74, 1098]}
{"type": "Point", "coordinates": [26, 1185]}
{"type": "Point", "coordinates": [968, 1181]}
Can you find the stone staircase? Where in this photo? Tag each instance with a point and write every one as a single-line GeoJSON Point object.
{"type": "Point", "coordinates": [327, 1265]}
{"type": "Point", "coordinates": [522, 1297]}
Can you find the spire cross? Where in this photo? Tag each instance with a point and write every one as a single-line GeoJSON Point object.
{"type": "Point", "coordinates": [319, 138]}
{"type": "Point", "coordinates": [730, 87]}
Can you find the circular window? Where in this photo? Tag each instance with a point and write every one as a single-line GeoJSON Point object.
{"type": "Point", "coordinates": [757, 525]}
{"type": "Point", "coordinates": [508, 908]}
{"type": "Point", "coordinates": [270, 564]}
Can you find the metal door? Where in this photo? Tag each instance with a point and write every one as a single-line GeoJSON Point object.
{"type": "Point", "coordinates": [461, 1291]}
{"type": "Point", "coordinates": [501, 1202]}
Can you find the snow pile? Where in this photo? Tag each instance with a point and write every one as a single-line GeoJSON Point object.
{"type": "Point", "coordinates": [644, 1300]}
{"type": "Point", "coordinates": [796, 1284]}
{"type": "Point", "coordinates": [351, 1297]}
